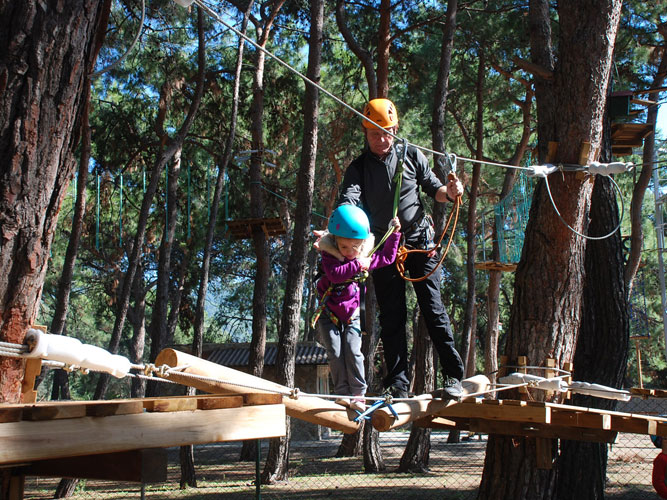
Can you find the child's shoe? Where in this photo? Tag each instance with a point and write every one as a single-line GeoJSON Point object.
{"type": "Point", "coordinates": [358, 403]}
{"type": "Point", "coordinates": [343, 402]}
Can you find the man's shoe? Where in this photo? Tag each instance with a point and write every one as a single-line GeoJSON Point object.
{"type": "Point", "coordinates": [451, 389]}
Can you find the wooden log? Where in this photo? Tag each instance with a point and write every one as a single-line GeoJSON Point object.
{"type": "Point", "coordinates": [27, 441]}
{"type": "Point", "coordinates": [421, 406]}
{"type": "Point", "coordinates": [222, 380]}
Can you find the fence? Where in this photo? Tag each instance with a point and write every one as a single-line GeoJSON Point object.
{"type": "Point", "coordinates": [454, 470]}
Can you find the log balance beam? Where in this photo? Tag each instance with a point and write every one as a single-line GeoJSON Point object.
{"type": "Point", "coordinates": [422, 406]}
{"type": "Point", "coordinates": [309, 408]}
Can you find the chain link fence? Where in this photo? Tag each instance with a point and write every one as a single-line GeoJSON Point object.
{"type": "Point", "coordinates": [454, 470]}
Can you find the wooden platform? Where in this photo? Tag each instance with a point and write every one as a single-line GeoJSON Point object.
{"type": "Point", "coordinates": [55, 430]}
{"type": "Point", "coordinates": [626, 136]}
{"type": "Point", "coordinates": [491, 265]}
{"type": "Point", "coordinates": [649, 393]}
{"type": "Point", "coordinates": [242, 229]}
{"type": "Point", "coordinates": [538, 419]}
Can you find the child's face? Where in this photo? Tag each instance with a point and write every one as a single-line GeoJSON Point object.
{"type": "Point", "coordinates": [349, 247]}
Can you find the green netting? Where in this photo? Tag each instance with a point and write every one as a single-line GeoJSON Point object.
{"type": "Point", "coordinates": [511, 215]}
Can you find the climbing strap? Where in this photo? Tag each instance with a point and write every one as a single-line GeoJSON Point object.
{"type": "Point", "coordinates": [397, 181]}
{"type": "Point", "coordinates": [359, 278]}
{"type": "Point", "coordinates": [403, 252]}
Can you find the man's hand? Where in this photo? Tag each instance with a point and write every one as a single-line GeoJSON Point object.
{"type": "Point", "coordinates": [454, 188]}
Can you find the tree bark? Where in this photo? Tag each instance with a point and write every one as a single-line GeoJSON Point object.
{"type": "Point", "coordinates": [417, 451]}
{"type": "Point", "coordinates": [277, 464]}
{"type": "Point", "coordinates": [602, 346]}
{"type": "Point", "coordinates": [546, 314]}
{"type": "Point", "coordinates": [373, 460]}
{"type": "Point", "coordinates": [47, 51]}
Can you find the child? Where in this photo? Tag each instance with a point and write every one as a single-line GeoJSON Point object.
{"type": "Point", "coordinates": [345, 261]}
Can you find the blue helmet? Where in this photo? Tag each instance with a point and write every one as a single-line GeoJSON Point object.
{"type": "Point", "coordinates": [349, 221]}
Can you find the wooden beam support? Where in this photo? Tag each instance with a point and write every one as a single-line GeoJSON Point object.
{"type": "Point", "coordinates": [27, 441]}
{"type": "Point", "coordinates": [142, 466]}
{"type": "Point", "coordinates": [309, 408]}
{"type": "Point", "coordinates": [548, 431]}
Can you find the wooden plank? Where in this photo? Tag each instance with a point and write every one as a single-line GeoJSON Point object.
{"type": "Point", "coordinates": [549, 431]}
{"type": "Point", "coordinates": [431, 422]}
{"type": "Point", "coordinates": [145, 466]}
{"type": "Point", "coordinates": [262, 399]}
{"type": "Point", "coordinates": [50, 439]}
{"type": "Point", "coordinates": [114, 407]}
{"type": "Point", "coordinates": [54, 410]}
{"type": "Point", "coordinates": [10, 413]}
{"type": "Point", "coordinates": [220, 378]}
{"type": "Point", "coordinates": [33, 367]}
{"type": "Point", "coordinates": [575, 418]}
{"type": "Point", "coordinates": [507, 412]}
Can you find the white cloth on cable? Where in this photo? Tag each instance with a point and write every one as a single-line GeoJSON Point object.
{"type": "Point", "coordinates": [616, 167]}
{"type": "Point", "coordinates": [541, 170]}
{"type": "Point", "coordinates": [73, 352]}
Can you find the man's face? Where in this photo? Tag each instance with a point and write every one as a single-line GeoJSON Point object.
{"type": "Point", "coordinates": [379, 141]}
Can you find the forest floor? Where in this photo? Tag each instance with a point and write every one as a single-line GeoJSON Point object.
{"type": "Point", "coordinates": [454, 473]}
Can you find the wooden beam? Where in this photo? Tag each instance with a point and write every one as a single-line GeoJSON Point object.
{"type": "Point", "coordinates": [517, 411]}
{"type": "Point", "coordinates": [50, 439]}
{"type": "Point", "coordinates": [549, 431]}
{"type": "Point", "coordinates": [421, 406]}
{"type": "Point", "coordinates": [222, 379]}
{"type": "Point", "coordinates": [144, 466]}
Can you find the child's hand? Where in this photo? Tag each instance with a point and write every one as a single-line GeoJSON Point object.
{"type": "Point", "coordinates": [318, 236]}
{"type": "Point", "coordinates": [395, 224]}
{"type": "Point", "coordinates": [365, 262]}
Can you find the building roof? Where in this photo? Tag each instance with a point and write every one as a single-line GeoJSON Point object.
{"type": "Point", "coordinates": [237, 354]}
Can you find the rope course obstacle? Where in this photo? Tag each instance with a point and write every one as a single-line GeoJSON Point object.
{"type": "Point", "coordinates": [56, 438]}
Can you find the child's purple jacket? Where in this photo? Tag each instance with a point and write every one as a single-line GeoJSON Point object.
{"type": "Point", "coordinates": [344, 301]}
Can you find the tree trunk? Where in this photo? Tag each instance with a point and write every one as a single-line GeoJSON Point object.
{"type": "Point", "coordinates": [417, 451]}
{"type": "Point", "coordinates": [173, 145]}
{"type": "Point", "coordinates": [373, 460]}
{"type": "Point", "coordinates": [545, 316]}
{"type": "Point", "coordinates": [602, 346]}
{"type": "Point", "coordinates": [469, 321]}
{"type": "Point", "coordinates": [277, 463]}
{"type": "Point", "coordinates": [648, 157]}
{"type": "Point", "coordinates": [160, 311]}
{"type": "Point", "coordinates": [137, 316]}
{"type": "Point", "coordinates": [60, 389]}
{"type": "Point", "coordinates": [48, 50]}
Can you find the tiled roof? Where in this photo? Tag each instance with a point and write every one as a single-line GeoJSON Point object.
{"type": "Point", "coordinates": [307, 353]}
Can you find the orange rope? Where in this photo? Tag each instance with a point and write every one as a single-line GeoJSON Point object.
{"type": "Point", "coordinates": [404, 252]}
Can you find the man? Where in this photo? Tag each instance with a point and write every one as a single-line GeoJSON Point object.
{"type": "Point", "coordinates": [369, 182]}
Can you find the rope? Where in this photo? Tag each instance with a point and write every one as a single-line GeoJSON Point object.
{"type": "Point", "coordinates": [403, 252]}
{"type": "Point", "coordinates": [618, 190]}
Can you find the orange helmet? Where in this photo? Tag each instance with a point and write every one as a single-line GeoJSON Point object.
{"type": "Point", "coordinates": [381, 111]}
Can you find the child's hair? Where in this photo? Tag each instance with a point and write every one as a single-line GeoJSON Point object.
{"type": "Point", "coordinates": [349, 221]}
